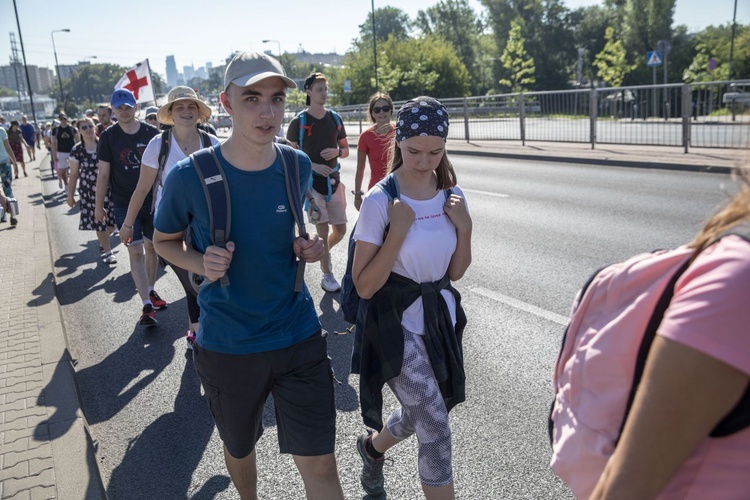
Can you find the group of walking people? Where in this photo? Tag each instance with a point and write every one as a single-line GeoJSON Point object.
{"type": "Point", "coordinates": [253, 333]}
{"type": "Point", "coordinates": [257, 335]}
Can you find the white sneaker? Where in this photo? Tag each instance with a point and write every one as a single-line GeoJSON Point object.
{"type": "Point", "coordinates": [329, 283]}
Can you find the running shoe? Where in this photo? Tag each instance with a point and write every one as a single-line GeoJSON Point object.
{"type": "Point", "coordinates": [372, 470]}
{"type": "Point", "coordinates": [157, 301]}
{"type": "Point", "coordinates": [190, 337]}
{"type": "Point", "coordinates": [148, 317]}
{"type": "Point", "coordinates": [110, 259]}
{"type": "Point", "coordinates": [329, 283]}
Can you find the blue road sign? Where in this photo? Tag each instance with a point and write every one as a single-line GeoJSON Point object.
{"type": "Point", "coordinates": [653, 58]}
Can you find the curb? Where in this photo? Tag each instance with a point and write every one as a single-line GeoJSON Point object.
{"type": "Point", "coordinates": [77, 469]}
{"type": "Point", "coordinates": [599, 161]}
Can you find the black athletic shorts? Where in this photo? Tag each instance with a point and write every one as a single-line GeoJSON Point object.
{"type": "Point", "coordinates": [301, 381]}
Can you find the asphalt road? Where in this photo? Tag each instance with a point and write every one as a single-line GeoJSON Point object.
{"type": "Point", "coordinates": [539, 230]}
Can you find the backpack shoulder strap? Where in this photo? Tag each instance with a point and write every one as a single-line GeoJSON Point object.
{"type": "Point", "coordinates": [290, 161]}
{"type": "Point", "coordinates": [336, 118]}
{"type": "Point", "coordinates": [213, 181]}
{"type": "Point", "coordinates": [205, 138]}
{"type": "Point", "coordinates": [302, 124]}
{"type": "Point", "coordinates": [389, 185]}
{"type": "Point", "coordinates": [739, 417]}
{"type": "Point", "coordinates": [166, 141]}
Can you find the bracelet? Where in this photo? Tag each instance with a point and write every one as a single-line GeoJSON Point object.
{"type": "Point", "coordinates": [125, 225]}
{"type": "Point", "coordinates": [358, 193]}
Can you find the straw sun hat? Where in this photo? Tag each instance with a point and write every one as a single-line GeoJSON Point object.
{"type": "Point", "coordinates": [182, 94]}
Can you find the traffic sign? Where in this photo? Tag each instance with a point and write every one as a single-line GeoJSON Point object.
{"type": "Point", "coordinates": [653, 58]}
{"type": "Point", "coordinates": [347, 85]}
{"type": "Point", "coordinates": [712, 64]}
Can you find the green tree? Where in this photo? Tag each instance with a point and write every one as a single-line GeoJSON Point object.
{"type": "Point", "coordinates": [698, 69]}
{"type": "Point", "coordinates": [518, 64]}
{"type": "Point", "coordinates": [389, 21]}
{"type": "Point", "coordinates": [6, 92]}
{"type": "Point", "coordinates": [294, 67]}
{"type": "Point", "coordinates": [548, 32]}
{"type": "Point", "coordinates": [645, 23]}
{"type": "Point", "coordinates": [715, 41]}
{"type": "Point", "coordinates": [611, 61]}
{"type": "Point", "coordinates": [95, 80]}
{"type": "Point", "coordinates": [407, 68]}
{"type": "Point", "coordinates": [455, 22]}
{"type": "Point", "coordinates": [590, 28]}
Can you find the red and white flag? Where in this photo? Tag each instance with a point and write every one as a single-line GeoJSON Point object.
{"type": "Point", "coordinates": [138, 80]}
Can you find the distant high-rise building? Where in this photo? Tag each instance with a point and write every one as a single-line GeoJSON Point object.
{"type": "Point", "coordinates": [41, 79]}
{"type": "Point", "coordinates": [172, 74]}
{"type": "Point", "coordinates": [209, 65]}
{"type": "Point", "coordinates": [188, 72]}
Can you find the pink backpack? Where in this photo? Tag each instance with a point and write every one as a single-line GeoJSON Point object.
{"type": "Point", "coordinates": [612, 325]}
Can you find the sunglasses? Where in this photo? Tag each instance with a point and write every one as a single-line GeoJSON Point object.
{"type": "Point", "coordinates": [86, 127]}
{"type": "Point", "coordinates": [152, 117]}
{"type": "Point", "coordinates": [378, 109]}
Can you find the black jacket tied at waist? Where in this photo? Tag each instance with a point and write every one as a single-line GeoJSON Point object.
{"type": "Point", "coordinates": [382, 344]}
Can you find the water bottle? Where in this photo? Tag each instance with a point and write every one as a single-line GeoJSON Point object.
{"type": "Point", "coordinates": [315, 215]}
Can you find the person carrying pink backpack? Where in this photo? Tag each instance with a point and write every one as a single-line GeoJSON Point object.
{"type": "Point", "coordinates": [682, 430]}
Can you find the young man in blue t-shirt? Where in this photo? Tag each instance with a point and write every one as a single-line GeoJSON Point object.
{"type": "Point", "coordinates": [257, 335]}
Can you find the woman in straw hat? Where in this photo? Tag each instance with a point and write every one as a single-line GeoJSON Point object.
{"type": "Point", "coordinates": [183, 111]}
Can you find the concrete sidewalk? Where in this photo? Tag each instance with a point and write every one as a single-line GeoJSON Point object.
{"type": "Point", "coordinates": [46, 449]}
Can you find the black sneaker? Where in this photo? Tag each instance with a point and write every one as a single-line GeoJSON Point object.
{"type": "Point", "coordinates": [13, 221]}
{"type": "Point", "coordinates": [372, 469]}
{"type": "Point", "coordinates": [148, 316]}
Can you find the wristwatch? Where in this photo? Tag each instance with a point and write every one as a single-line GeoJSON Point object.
{"type": "Point", "coordinates": [358, 193]}
{"type": "Point", "coordinates": [339, 152]}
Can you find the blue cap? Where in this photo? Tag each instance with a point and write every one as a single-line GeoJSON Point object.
{"type": "Point", "coordinates": [122, 97]}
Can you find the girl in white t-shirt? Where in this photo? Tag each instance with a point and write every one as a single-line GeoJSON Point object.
{"type": "Point", "coordinates": [183, 111]}
{"type": "Point", "coordinates": [428, 242]}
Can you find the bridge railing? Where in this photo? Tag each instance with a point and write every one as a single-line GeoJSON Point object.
{"type": "Point", "coordinates": [707, 114]}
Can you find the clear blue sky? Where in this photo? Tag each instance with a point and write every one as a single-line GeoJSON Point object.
{"type": "Point", "coordinates": [197, 31]}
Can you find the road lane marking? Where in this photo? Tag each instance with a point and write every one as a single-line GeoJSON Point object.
{"type": "Point", "coordinates": [499, 195]}
{"type": "Point", "coordinates": [537, 311]}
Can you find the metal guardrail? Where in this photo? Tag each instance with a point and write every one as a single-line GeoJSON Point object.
{"type": "Point", "coordinates": [708, 114]}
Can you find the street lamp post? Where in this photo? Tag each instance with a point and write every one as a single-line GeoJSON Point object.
{"type": "Point", "coordinates": [57, 64]}
{"type": "Point", "coordinates": [374, 46]}
{"type": "Point", "coordinates": [278, 46]}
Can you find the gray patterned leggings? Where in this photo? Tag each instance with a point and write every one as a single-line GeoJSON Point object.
{"type": "Point", "coordinates": [422, 412]}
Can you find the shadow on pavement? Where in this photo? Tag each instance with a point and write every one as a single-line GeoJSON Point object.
{"type": "Point", "coordinates": [340, 351]}
{"type": "Point", "coordinates": [160, 462]}
{"type": "Point", "coordinates": [60, 393]}
{"type": "Point", "coordinates": [107, 387]}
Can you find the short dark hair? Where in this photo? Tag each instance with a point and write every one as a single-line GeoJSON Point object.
{"type": "Point", "coordinates": [310, 81]}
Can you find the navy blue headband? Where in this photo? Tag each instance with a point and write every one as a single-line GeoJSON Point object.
{"type": "Point", "coordinates": [422, 116]}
